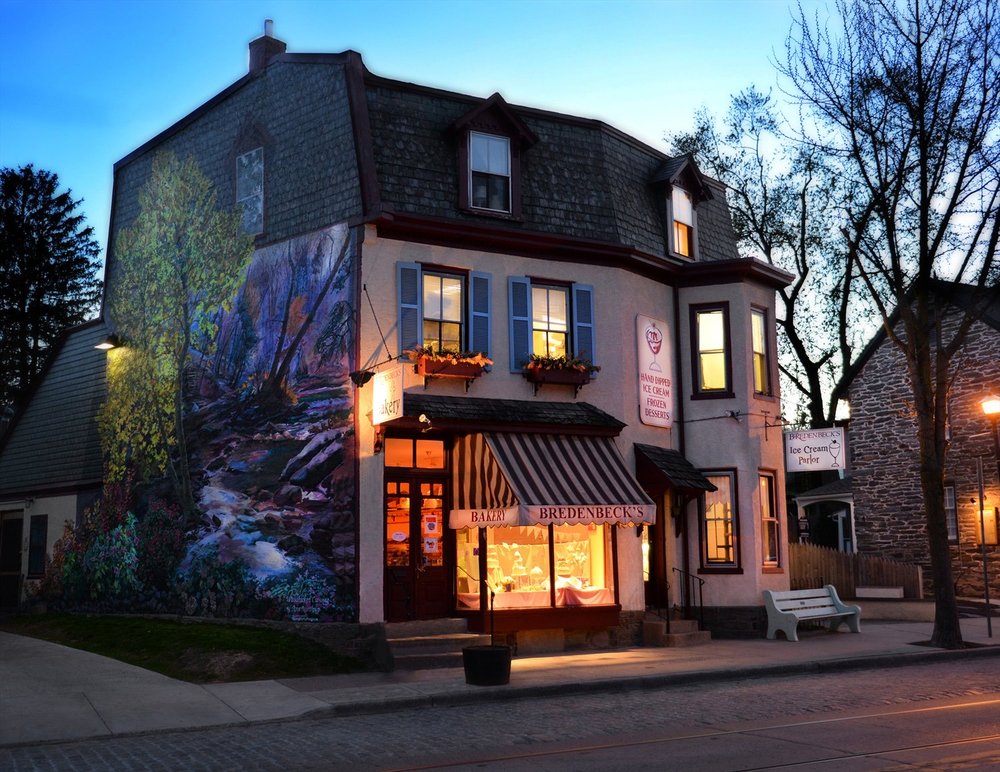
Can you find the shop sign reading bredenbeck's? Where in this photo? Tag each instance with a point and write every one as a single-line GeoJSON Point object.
{"type": "Point", "coordinates": [813, 450]}
{"type": "Point", "coordinates": [387, 395]}
{"type": "Point", "coordinates": [656, 402]}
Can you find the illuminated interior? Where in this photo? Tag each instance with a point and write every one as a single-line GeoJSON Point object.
{"type": "Point", "coordinates": [521, 562]}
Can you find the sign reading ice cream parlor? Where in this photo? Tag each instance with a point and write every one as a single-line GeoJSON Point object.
{"type": "Point", "coordinates": [813, 450]}
{"type": "Point", "coordinates": [656, 403]}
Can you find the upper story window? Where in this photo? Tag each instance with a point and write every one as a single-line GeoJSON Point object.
{"type": "Point", "coordinates": [443, 316]}
{"type": "Point", "coordinates": [446, 310]}
{"type": "Point", "coordinates": [711, 366]}
{"type": "Point", "coordinates": [250, 189]}
{"type": "Point", "coordinates": [489, 172]}
{"type": "Point", "coordinates": [682, 214]}
{"type": "Point", "coordinates": [550, 320]}
{"type": "Point", "coordinates": [491, 137]}
{"type": "Point", "coordinates": [719, 525]}
{"type": "Point", "coordinates": [761, 360]}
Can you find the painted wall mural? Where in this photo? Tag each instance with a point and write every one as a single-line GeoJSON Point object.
{"type": "Point", "coordinates": [228, 429]}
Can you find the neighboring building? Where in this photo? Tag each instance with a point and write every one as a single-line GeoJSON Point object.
{"type": "Point", "coordinates": [889, 517]}
{"type": "Point", "coordinates": [50, 460]}
{"type": "Point", "coordinates": [389, 216]}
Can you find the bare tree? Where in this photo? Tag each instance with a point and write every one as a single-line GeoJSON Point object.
{"type": "Point", "coordinates": [786, 198]}
{"type": "Point", "coordinates": [906, 95]}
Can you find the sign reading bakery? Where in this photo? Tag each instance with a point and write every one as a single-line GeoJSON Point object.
{"type": "Point", "coordinates": [656, 396]}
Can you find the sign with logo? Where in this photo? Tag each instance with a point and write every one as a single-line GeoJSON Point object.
{"type": "Point", "coordinates": [387, 395]}
{"type": "Point", "coordinates": [656, 400]}
{"type": "Point", "coordinates": [813, 450]}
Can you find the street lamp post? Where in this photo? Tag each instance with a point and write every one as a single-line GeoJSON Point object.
{"type": "Point", "coordinates": [991, 407]}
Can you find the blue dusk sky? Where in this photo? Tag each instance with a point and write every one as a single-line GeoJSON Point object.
{"type": "Point", "coordinates": [82, 83]}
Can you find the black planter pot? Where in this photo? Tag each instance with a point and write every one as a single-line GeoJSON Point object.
{"type": "Point", "coordinates": [486, 665]}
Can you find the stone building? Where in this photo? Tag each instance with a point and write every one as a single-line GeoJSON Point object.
{"type": "Point", "coordinates": [889, 518]}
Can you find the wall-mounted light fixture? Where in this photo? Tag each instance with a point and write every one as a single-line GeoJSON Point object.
{"type": "Point", "coordinates": [110, 342]}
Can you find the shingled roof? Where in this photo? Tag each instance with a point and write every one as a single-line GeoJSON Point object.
{"type": "Point", "coordinates": [54, 444]}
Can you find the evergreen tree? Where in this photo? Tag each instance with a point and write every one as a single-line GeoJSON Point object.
{"type": "Point", "coordinates": [49, 261]}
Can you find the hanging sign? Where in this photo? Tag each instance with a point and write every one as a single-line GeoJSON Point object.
{"type": "Point", "coordinates": [387, 395]}
{"type": "Point", "coordinates": [656, 401]}
{"type": "Point", "coordinates": [813, 450]}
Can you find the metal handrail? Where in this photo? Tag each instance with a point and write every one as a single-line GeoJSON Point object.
{"type": "Point", "coordinates": [686, 595]}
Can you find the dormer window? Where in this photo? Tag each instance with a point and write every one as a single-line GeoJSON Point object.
{"type": "Point", "coordinates": [682, 210]}
{"type": "Point", "coordinates": [489, 170]}
{"type": "Point", "coordinates": [491, 138]}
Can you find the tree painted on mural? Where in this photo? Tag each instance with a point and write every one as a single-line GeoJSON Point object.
{"type": "Point", "coordinates": [177, 265]}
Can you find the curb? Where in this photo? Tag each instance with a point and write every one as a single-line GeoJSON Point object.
{"type": "Point", "coordinates": [667, 680]}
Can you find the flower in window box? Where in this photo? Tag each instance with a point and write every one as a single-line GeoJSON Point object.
{"type": "Point", "coordinates": [447, 363]}
{"type": "Point", "coordinates": [568, 370]}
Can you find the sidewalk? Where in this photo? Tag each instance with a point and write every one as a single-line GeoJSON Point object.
{"type": "Point", "coordinates": [49, 693]}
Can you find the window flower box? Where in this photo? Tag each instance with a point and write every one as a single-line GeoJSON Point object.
{"type": "Point", "coordinates": [466, 366]}
{"type": "Point", "coordinates": [558, 371]}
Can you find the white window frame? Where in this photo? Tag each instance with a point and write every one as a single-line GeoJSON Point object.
{"type": "Point", "coordinates": [245, 199]}
{"type": "Point", "coordinates": [508, 174]}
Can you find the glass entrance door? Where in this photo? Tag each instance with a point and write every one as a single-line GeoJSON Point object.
{"type": "Point", "coordinates": [416, 578]}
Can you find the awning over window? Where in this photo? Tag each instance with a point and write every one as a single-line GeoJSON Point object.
{"type": "Point", "coordinates": [669, 468]}
{"type": "Point", "coordinates": [538, 479]}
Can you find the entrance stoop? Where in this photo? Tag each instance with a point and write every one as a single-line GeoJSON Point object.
{"type": "Point", "coordinates": [683, 632]}
{"type": "Point", "coordinates": [428, 644]}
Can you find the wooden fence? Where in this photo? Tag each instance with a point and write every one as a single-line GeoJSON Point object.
{"type": "Point", "coordinates": [813, 566]}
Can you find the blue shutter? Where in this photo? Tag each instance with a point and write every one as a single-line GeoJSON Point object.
{"type": "Point", "coordinates": [519, 302]}
{"type": "Point", "coordinates": [480, 321]}
{"type": "Point", "coordinates": [584, 341]}
{"type": "Point", "coordinates": [410, 294]}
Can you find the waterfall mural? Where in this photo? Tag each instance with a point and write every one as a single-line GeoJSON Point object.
{"type": "Point", "coordinates": [228, 434]}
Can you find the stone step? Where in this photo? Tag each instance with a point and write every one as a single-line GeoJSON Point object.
{"type": "Point", "coordinates": [422, 652]}
{"type": "Point", "coordinates": [683, 632]}
{"type": "Point", "coordinates": [425, 627]}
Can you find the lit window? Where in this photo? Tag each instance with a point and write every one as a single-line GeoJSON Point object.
{"type": "Point", "coordinates": [719, 523]}
{"type": "Point", "coordinates": [414, 454]}
{"type": "Point", "coordinates": [549, 321]}
{"type": "Point", "coordinates": [769, 521]}
{"type": "Point", "coordinates": [250, 190]}
{"type": "Point", "coordinates": [683, 217]}
{"type": "Point", "coordinates": [525, 572]}
{"type": "Point", "coordinates": [950, 513]}
{"type": "Point", "coordinates": [442, 312]}
{"type": "Point", "coordinates": [711, 366]}
{"type": "Point", "coordinates": [489, 169]}
{"type": "Point", "coordinates": [761, 367]}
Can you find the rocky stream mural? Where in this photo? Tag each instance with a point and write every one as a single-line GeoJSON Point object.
{"type": "Point", "coordinates": [228, 429]}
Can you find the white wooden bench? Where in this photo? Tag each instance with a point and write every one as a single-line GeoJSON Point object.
{"type": "Point", "coordinates": [786, 609]}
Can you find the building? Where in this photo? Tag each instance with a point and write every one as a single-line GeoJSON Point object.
{"type": "Point", "coordinates": [888, 512]}
{"type": "Point", "coordinates": [50, 460]}
{"type": "Point", "coordinates": [384, 484]}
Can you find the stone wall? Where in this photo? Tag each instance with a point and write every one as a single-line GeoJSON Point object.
{"type": "Point", "coordinates": [889, 513]}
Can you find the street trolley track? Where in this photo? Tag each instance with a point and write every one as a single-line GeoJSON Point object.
{"type": "Point", "coordinates": [708, 734]}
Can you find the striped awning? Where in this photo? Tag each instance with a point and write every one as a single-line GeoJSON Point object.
{"type": "Point", "coordinates": [538, 479]}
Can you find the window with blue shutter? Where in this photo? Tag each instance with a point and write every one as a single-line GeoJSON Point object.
{"type": "Point", "coordinates": [584, 341]}
{"type": "Point", "coordinates": [480, 322]}
{"type": "Point", "coordinates": [519, 316]}
{"type": "Point", "coordinates": [410, 296]}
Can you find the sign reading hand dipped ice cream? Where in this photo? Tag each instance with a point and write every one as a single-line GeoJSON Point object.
{"type": "Point", "coordinates": [656, 401]}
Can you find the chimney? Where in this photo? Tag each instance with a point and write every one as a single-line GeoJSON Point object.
{"type": "Point", "coordinates": [265, 48]}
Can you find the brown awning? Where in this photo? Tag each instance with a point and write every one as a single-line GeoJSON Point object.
{"type": "Point", "coordinates": [538, 479]}
{"type": "Point", "coordinates": [670, 469]}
